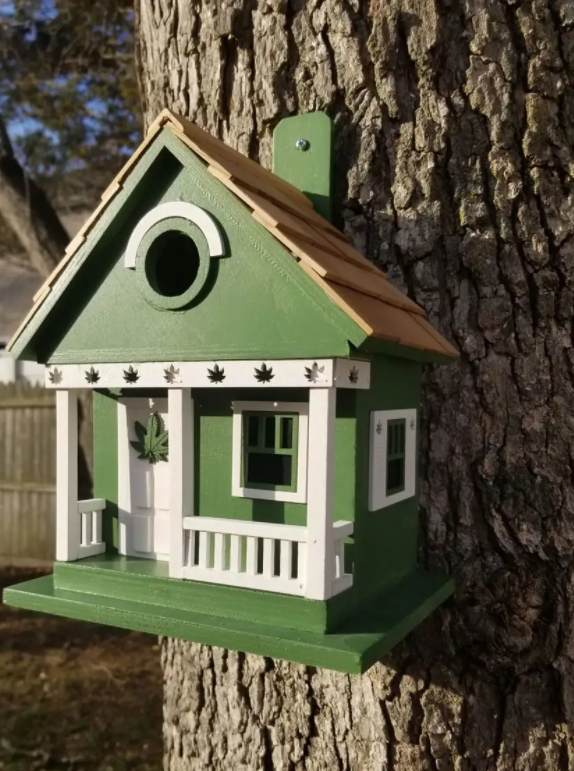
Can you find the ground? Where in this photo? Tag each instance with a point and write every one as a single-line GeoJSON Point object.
{"type": "Point", "coordinates": [76, 696]}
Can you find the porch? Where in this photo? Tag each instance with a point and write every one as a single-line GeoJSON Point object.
{"type": "Point", "coordinates": [303, 561]}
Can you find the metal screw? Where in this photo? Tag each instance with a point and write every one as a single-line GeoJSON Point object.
{"type": "Point", "coordinates": [302, 144]}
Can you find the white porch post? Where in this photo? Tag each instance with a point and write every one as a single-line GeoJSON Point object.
{"type": "Point", "coordinates": [181, 463]}
{"type": "Point", "coordinates": [67, 517]}
{"type": "Point", "coordinates": [320, 551]}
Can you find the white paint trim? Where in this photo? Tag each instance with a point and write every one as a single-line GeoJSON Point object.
{"type": "Point", "coordinates": [245, 527]}
{"type": "Point", "coordinates": [186, 211]}
{"type": "Point", "coordinates": [237, 490]}
{"type": "Point", "coordinates": [378, 498]}
{"type": "Point", "coordinates": [68, 530]}
{"type": "Point", "coordinates": [320, 545]}
{"type": "Point", "coordinates": [181, 464]}
{"type": "Point", "coordinates": [287, 373]}
{"type": "Point", "coordinates": [124, 489]}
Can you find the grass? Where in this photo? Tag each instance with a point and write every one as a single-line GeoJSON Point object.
{"type": "Point", "coordinates": [76, 696]}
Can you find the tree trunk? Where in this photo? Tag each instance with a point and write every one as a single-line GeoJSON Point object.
{"type": "Point", "coordinates": [455, 129]}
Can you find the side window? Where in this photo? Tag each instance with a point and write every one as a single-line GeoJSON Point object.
{"type": "Point", "coordinates": [396, 433]}
{"type": "Point", "coordinates": [269, 459]}
{"type": "Point", "coordinates": [392, 462]}
{"type": "Point", "coordinates": [270, 450]}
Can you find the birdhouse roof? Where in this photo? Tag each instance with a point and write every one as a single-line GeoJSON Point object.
{"type": "Point", "coordinates": [325, 254]}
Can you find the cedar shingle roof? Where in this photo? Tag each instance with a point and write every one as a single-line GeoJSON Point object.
{"type": "Point", "coordinates": [323, 252]}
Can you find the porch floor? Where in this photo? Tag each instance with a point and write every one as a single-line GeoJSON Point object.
{"type": "Point", "coordinates": [100, 594]}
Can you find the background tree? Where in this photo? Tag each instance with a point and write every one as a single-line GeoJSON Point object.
{"type": "Point", "coordinates": [69, 117]}
{"type": "Point", "coordinates": [455, 129]}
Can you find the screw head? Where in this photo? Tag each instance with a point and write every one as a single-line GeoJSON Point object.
{"type": "Point", "coordinates": [302, 144]}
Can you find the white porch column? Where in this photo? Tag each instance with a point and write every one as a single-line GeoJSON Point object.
{"type": "Point", "coordinates": [320, 479]}
{"type": "Point", "coordinates": [67, 517]}
{"type": "Point", "coordinates": [181, 464]}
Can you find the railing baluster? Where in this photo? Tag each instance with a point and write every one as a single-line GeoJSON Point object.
{"type": "Point", "coordinates": [251, 561]}
{"type": "Point", "coordinates": [301, 562]}
{"type": "Point", "coordinates": [97, 527]}
{"type": "Point", "coordinates": [86, 528]}
{"type": "Point", "coordinates": [203, 548]}
{"type": "Point", "coordinates": [286, 560]}
{"type": "Point", "coordinates": [268, 553]}
{"type": "Point", "coordinates": [235, 554]}
{"type": "Point", "coordinates": [339, 558]}
{"type": "Point", "coordinates": [219, 555]}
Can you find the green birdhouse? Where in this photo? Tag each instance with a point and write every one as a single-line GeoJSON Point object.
{"type": "Point", "coordinates": [257, 385]}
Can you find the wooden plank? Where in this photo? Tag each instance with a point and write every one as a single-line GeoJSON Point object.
{"type": "Point", "coordinates": [67, 517]}
{"type": "Point", "coordinates": [27, 487]}
{"type": "Point", "coordinates": [388, 322]}
{"type": "Point", "coordinates": [449, 349]}
{"type": "Point", "coordinates": [320, 553]}
{"type": "Point", "coordinates": [180, 420]}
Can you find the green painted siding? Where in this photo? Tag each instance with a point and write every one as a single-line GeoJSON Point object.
{"type": "Point", "coordinates": [106, 464]}
{"type": "Point", "coordinates": [385, 540]}
{"type": "Point", "coordinates": [258, 302]}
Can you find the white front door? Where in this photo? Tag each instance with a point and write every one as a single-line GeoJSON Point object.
{"type": "Point", "coordinates": [143, 482]}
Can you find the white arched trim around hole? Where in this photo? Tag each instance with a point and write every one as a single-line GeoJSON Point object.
{"type": "Point", "coordinates": [187, 211]}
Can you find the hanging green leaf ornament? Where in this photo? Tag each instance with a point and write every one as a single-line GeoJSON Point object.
{"type": "Point", "coordinates": [152, 442]}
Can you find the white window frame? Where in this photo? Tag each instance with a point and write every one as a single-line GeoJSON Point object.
{"type": "Point", "coordinates": [378, 498]}
{"type": "Point", "coordinates": [237, 490]}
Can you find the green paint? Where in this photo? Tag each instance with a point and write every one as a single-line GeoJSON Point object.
{"type": "Point", "coordinates": [303, 156]}
{"type": "Point", "coordinates": [386, 541]}
{"type": "Point", "coordinates": [260, 304]}
{"type": "Point", "coordinates": [106, 464]}
{"type": "Point", "coordinates": [355, 646]}
{"type": "Point", "coordinates": [152, 441]}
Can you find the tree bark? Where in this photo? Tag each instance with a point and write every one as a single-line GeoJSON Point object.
{"type": "Point", "coordinates": [455, 129]}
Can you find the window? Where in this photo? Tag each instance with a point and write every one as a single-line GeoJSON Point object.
{"type": "Point", "coordinates": [396, 431]}
{"type": "Point", "coordinates": [392, 473]}
{"type": "Point", "coordinates": [270, 450]}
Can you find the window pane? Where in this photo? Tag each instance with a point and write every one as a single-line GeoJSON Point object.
{"type": "Point", "coordinates": [286, 433]}
{"type": "Point", "coordinates": [270, 432]}
{"type": "Point", "coordinates": [395, 475]}
{"type": "Point", "coordinates": [253, 431]}
{"type": "Point", "coordinates": [267, 469]}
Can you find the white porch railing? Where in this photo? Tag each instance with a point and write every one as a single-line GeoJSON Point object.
{"type": "Point", "coordinates": [90, 513]}
{"type": "Point", "coordinates": [255, 555]}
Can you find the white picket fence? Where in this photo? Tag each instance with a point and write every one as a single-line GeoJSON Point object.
{"type": "Point", "coordinates": [255, 555]}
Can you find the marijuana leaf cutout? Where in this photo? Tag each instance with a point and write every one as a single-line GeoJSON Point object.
{"type": "Point", "coordinates": [55, 376]}
{"type": "Point", "coordinates": [354, 375]}
{"type": "Point", "coordinates": [312, 373]}
{"type": "Point", "coordinates": [131, 375]}
{"type": "Point", "coordinates": [152, 442]}
{"type": "Point", "coordinates": [216, 375]}
{"type": "Point", "coordinates": [170, 373]}
{"type": "Point", "coordinates": [92, 375]}
{"type": "Point", "coordinates": [379, 428]}
{"type": "Point", "coordinates": [265, 374]}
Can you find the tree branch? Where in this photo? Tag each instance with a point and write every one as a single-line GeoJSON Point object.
{"type": "Point", "coordinates": [28, 213]}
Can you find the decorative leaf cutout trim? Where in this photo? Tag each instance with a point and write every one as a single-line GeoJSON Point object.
{"type": "Point", "coordinates": [354, 375]}
{"type": "Point", "coordinates": [264, 375]}
{"type": "Point", "coordinates": [216, 375]}
{"type": "Point", "coordinates": [170, 374]}
{"type": "Point", "coordinates": [152, 443]}
{"type": "Point", "coordinates": [92, 375]}
{"type": "Point", "coordinates": [55, 376]}
{"type": "Point", "coordinates": [312, 373]}
{"type": "Point", "coordinates": [131, 375]}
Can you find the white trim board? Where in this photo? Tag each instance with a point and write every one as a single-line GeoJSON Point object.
{"type": "Point", "coordinates": [275, 373]}
{"type": "Point", "coordinates": [237, 490]}
{"type": "Point", "coordinates": [378, 498]}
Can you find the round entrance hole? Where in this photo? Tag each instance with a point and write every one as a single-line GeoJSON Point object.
{"type": "Point", "coordinates": [173, 263]}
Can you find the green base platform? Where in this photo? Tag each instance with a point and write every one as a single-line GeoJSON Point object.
{"type": "Point", "coordinates": [353, 647]}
